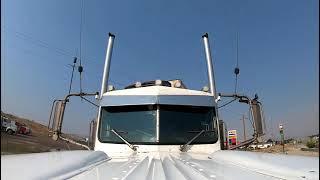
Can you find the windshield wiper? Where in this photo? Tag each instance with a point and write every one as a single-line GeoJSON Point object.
{"type": "Point", "coordinates": [134, 148]}
{"type": "Point", "coordinates": [183, 148]}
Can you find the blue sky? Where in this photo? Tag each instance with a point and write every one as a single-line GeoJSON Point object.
{"type": "Point", "coordinates": [278, 54]}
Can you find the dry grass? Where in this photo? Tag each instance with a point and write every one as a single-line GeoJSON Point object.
{"type": "Point", "coordinates": [38, 141]}
{"type": "Point", "coordinates": [290, 149]}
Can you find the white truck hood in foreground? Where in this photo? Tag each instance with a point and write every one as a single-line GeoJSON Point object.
{"type": "Point", "coordinates": [158, 165]}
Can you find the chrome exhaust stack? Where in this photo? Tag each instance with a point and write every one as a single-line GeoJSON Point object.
{"type": "Point", "coordinates": [107, 63]}
{"type": "Point", "coordinates": [212, 85]}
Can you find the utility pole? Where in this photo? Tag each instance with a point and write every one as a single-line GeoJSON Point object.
{"type": "Point", "coordinates": [271, 128]}
{"type": "Point", "coordinates": [244, 128]}
{"type": "Point", "coordinates": [282, 136]}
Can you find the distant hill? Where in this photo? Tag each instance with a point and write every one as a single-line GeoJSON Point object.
{"type": "Point", "coordinates": [38, 141]}
{"type": "Point", "coordinates": [77, 137]}
{"type": "Point", "coordinates": [36, 127]}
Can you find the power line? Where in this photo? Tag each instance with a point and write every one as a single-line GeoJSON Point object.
{"type": "Point", "coordinates": [47, 45]}
{"type": "Point", "coordinates": [38, 42]}
{"type": "Point", "coordinates": [43, 44]}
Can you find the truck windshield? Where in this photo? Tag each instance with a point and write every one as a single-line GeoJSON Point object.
{"type": "Point", "coordinates": [177, 124]}
{"type": "Point", "coordinates": [137, 124]}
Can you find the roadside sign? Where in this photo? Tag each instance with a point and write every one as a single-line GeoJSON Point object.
{"type": "Point", "coordinates": [280, 126]}
{"type": "Point", "coordinates": [282, 136]}
{"type": "Point", "coordinates": [232, 137]}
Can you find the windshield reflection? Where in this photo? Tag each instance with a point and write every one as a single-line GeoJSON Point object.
{"type": "Point", "coordinates": [177, 124]}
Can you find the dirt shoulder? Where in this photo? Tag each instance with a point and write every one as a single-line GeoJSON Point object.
{"type": "Point", "coordinates": [37, 141]}
{"type": "Point", "coordinates": [290, 149]}
{"type": "Point", "coordinates": [17, 144]}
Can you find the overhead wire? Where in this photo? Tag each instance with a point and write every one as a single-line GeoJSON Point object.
{"type": "Point", "coordinates": [38, 42]}
{"type": "Point", "coordinates": [44, 44]}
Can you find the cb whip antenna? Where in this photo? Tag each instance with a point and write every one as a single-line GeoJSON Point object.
{"type": "Point", "coordinates": [80, 67]}
{"type": "Point", "coordinates": [236, 69]}
{"type": "Point", "coordinates": [73, 66]}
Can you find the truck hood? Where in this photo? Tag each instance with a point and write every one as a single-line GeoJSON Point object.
{"type": "Point", "coordinates": [158, 165]}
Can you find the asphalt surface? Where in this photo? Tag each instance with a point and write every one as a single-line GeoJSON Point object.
{"type": "Point", "coordinates": [34, 143]}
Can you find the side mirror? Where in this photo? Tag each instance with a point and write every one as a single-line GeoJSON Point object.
{"type": "Point", "coordinates": [223, 135]}
{"type": "Point", "coordinates": [58, 118]}
{"type": "Point", "coordinates": [257, 116]}
{"type": "Point", "coordinates": [92, 132]}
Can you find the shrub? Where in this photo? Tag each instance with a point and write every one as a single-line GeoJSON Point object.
{"type": "Point", "coordinates": [311, 144]}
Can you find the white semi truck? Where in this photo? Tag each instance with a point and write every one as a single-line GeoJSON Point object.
{"type": "Point", "coordinates": [7, 125]}
{"type": "Point", "coordinates": [158, 130]}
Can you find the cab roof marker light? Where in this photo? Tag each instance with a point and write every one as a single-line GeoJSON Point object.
{"type": "Point", "coordinates": [111, 88]}
{"type": "Point", "coordinates": [177, 84]}
{"type": "Point", "coordinates": [138, 84]}
{"type": "Point", "coordinates": [158, 82]}
{"type": "Point", "coordinates": [205, 89]}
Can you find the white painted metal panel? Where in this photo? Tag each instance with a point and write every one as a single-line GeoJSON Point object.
{"type": "Point", "coordinates": [58, 165]}
{"type": "Point", "coordinates": [220, 165]}
{"type": "Point", "coordinates": [156, 90]}
{"type": "Point", "coordinates": [159, 165]}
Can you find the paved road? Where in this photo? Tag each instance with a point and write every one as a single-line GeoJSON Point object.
{"type": "Point", "coordinates": [19, 143]}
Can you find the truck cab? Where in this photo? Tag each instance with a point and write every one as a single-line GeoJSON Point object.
{"type": "Point", "coordinates": [157, 118]}
{"type": "Point", "coordinates": [7, 125]}
{"type": "Point", "coordinates": [23, 128]}
{"type": "Point", "coordinates": [158, 130]}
